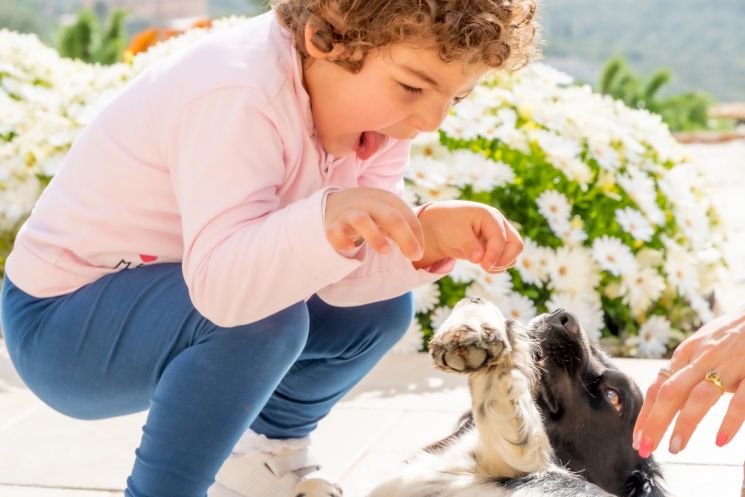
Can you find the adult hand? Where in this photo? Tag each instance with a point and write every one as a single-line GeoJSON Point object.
{"type": "Point", "coordinates": [468, 230]}
{"type": "Point", "coordinates": [355, 215]}
{"type": "Point", "coordinates": [717, 346]}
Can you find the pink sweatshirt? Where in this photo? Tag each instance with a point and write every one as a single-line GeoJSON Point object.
{"type": "Point", "coordinates": [210, 158]}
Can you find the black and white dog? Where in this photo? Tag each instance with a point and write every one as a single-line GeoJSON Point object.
{"type": "Point", "coordinates": [550, 415]}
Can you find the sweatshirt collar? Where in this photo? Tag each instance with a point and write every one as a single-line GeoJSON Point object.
{"type": "Point", "coordinates": [294, 68]}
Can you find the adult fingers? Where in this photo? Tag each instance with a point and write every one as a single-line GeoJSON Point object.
{"type": "Point", "coordinates": [670, 398]}
{"type": "Point", "coordinates": [649, 400]}
{"type": "Point", "coordinates": [702, 397]}
{"type": "Point", "coordinates": [681, 357]}
{"type": "Point", "coordinates": [734, 417]}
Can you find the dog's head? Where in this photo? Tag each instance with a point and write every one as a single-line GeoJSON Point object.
{"type": "Point", "coordinates": [589, 408]}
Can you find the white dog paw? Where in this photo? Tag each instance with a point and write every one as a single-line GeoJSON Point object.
{"type": "Point", "coordinates": [471, 338]}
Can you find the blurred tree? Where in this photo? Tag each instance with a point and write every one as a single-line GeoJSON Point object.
{"type": "Point", "coordinates": [19, 17]}
{"type": "Point", "coordinates": [683, 112]}
{"type": "Point", "coordinates": [85, 40]}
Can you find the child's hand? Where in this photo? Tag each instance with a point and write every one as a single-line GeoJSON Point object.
{"type": "Point", "coordinates": [370, 214]}
{"type": "Point", "coordinates": [468, 230]}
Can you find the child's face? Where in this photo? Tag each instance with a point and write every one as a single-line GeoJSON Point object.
{"type": "Point", "coordinates": [402, 90]}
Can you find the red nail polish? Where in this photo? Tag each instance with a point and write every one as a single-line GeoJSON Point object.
{"type": "Point", "coordinates": [645, 447]}
{"type": "Point", "coordinates": [722, 439]}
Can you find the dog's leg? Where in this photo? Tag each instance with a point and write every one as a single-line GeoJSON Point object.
{"type": "Point", "coordinates": [475, 339]}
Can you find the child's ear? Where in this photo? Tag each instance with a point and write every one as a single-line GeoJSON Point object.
{"type": "Point", "coordinates": [314, 51]}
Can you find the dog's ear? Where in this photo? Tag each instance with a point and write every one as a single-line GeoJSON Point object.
{"type": "Point", "coordinates": [645, 481]}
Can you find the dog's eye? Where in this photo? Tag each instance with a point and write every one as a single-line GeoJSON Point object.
{"type": "Point", "coordinates": [614, 399]}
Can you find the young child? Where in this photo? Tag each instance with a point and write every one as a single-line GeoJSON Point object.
{"type": "Point", "coordinates": [226, 245]}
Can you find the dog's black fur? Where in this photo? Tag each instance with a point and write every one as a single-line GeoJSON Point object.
{"type": "Point", "coordinates": [589, 436]}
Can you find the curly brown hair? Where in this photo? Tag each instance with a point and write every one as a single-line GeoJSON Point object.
{"type": "Point", "coordinates": [497, 33]}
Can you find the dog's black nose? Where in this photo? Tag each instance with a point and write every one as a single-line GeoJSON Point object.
{"type": "Point", "coordinates": [565, 320]}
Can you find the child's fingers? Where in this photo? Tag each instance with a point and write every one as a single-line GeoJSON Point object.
{"type": "Point", "coordinates": [414, 225]}
{"type": "Point", "coordinates": [339, 237]}
{"type": "Point", "coordinates": [512, 248]}
{"type": "Point", "coordinates": [472, 248]}
{"type": "Point", "coordinates": [365, 227]}
{"type": "Point", "coordinates": [400, 230]}
{"type": "Point", "coordinates": [493, 236]}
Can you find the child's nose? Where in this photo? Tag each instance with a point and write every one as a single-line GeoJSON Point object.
{"type": "Point", "coordinates": [431, 118]}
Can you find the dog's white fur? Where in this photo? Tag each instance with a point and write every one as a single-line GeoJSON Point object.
{"type": "Point", "coordinates": [509, 439]}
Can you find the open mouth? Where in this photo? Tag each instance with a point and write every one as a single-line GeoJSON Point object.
{"type": "Point", "coordinates": [369, 142]}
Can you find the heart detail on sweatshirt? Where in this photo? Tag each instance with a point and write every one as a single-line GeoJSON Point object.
{"type": "Point", "coordinates": [148, 258]}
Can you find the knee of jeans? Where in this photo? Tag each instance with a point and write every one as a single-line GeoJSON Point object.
{"type": "Point", "coordinates": [392, 317]}
{"type": "Point", "coordinates": [287, 329]}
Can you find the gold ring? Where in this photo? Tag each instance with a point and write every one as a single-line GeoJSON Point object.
{"type": "Point", "coordinates": [666, 372]}
{"type": "Point", "coordinates": [716, 380]}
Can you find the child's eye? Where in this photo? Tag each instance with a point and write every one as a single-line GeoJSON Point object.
{"type": "Point", "coordinates": [411, 89]}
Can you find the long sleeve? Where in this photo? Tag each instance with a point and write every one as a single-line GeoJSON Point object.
{"type": "Point", "coordinates": [383, 277]}
{"type": "Point", "coordinates": [244, 258]}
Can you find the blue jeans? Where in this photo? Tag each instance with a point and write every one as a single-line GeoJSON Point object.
{"type": "Point", "coordinates": [132, 340]}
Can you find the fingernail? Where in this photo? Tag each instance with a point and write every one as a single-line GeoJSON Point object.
{"type": "Point", "coordinates": [476, 256]}
{"type": "Point", "coordinates": [722, 439]}
{"type": "Point", "coordinates": [637, 438]}
{"type": "Point", "coordinates": [645, 447]}
{"type": "Point", "coordinates": [675, 443]}
{"type": "Point", "coordinates": [385, 249]}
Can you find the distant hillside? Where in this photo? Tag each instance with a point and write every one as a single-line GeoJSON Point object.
{"type": "Point", "coordinates": [701, 41]}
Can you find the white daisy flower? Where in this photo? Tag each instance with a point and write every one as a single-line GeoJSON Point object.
{"type": "Point", "coordinates": [439, 315]}
{"type": "Point", "coordinates": [554, 206]}
{"type": "Point", "coordinates": [634, 223]}
{"type": "Point", "coordinates": [640, 288]}
{"type": "Point", "coordinates": [613, 255]}
{"type": "Point", "coordinates": [532, 263]}
{"type": "Point", "coordinates": [648, 257]}
{"type": "Point", "coordinates": [481, 173]}
{"type": "Point", "coordinates": [573, 271]}
{"type": "Point", "coordinates": [427, 172]}
{"type": "Point", "coordinates": [701, 306]}
{"type": "Point", "coordinates": [519, 307]}
{"type": "Point", "coordinates": [653, 337]}
{"type": "Point", "coordinates": [465, 271]}
{"type": "Point", "coordinates": [444, 192]}
{"type": "Point", "coordinates": [493, 287]}
{"type": "Point", "coordinates": [606, 155]}
{"type": "Point", "coordinates": [640, 187]}
{"type": "Point", "coordinates": [412, 341]}
{"type": "Point", "coordinates": [571, 233]}
{"type": "Point", "coordinates": [586, 307]}
{"type": "Point", "coordinates": [680, 268]}
{"type": "Point", "coordinates": [557, 147]}
{"type": "Point", "coordinates": [464, 122]}
{"type": "Point", "coordinates": [694, 223]}
{"type": "Point", "coordinates": [428, 145]}
{"type": "Point", "coordinates": [426, 297]}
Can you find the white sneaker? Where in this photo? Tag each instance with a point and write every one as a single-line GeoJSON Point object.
{"type": "Point", "coordinates": [261, 467]}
